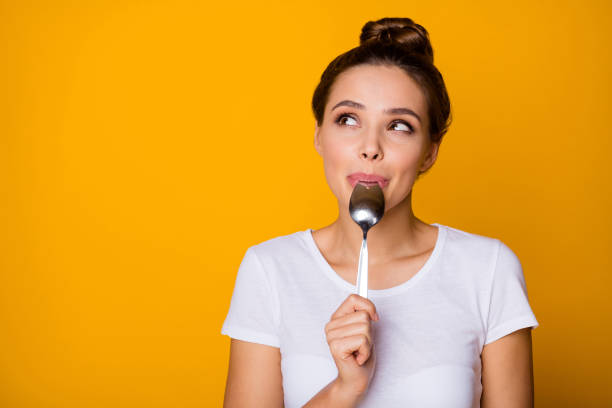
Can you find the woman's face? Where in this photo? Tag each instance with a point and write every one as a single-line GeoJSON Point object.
{"type": "Point", "coordinates": [375, 123]}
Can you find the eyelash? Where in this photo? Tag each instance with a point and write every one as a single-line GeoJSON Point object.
{"type": "Point", "coordinates": [343, 115]}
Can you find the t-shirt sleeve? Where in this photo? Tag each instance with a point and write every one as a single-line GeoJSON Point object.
{"type": "Point", "coordinates": [253, 311]}
{"type": "Point", "coordinates": [509, 308]}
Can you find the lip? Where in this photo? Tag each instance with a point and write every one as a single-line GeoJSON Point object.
{"type": "Point", "coordinates": [367, 179]}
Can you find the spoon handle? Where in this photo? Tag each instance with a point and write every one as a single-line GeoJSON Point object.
{"type": "Point", "coordinates": [362, 270]}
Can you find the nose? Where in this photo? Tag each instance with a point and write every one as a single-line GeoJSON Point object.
{"type": "Point", "coordinates": [371, 149]}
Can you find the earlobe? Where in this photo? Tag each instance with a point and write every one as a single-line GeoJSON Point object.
{"type": "Point", "coordinates": [431, 157]}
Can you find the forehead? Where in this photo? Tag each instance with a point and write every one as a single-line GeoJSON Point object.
{"type": "Point", "coordinates": [378, 87]}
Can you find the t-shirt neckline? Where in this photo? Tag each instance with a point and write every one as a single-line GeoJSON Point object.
{"type": "Point", "coordinates": [331, 273]}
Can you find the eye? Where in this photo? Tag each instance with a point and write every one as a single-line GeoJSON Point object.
{"type": "Point", "coordinates": [350, 121]}
{"type": "Point", "coordinates": [404, 126]}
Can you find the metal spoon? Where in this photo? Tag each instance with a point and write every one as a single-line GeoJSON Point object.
{"type": "Point", "coordinates": [366, 206]}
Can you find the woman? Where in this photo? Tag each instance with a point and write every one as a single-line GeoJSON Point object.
{"type": "Point", "coordinates": [447, 320]}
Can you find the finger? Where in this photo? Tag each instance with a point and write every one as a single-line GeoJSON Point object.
{"type": "Point", "coordinates": [360, 316]}
{"type": "Point", "coordinates": [350, 330]}
{"type": "Point", "coordinates": [356, 346]}
{"type": "Point", "coordinates": [353, 303]}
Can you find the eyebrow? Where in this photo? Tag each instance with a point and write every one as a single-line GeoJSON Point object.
{"type": "Point", "coordinates": [396, 111]}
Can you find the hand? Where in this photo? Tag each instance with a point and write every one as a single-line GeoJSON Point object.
{"type": "Point", "coordinates": [349, 336]}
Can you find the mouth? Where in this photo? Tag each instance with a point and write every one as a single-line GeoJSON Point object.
{"type": "Point", "coordinates": [367, 180]}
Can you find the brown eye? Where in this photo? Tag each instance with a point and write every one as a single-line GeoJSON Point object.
{"type": "Point", "coordinates": [404, 126]}
{"type": "Point", "coordinates": [341, 120]}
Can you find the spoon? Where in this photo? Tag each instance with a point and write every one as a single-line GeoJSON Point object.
{"type": "Point", "coordinates": [366, 206]}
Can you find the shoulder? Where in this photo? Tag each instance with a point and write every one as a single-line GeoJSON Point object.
{"type": "Point", "coordinates": [480, 252]}
{"type": "Point", "coordinates": [283, 258]}
{"type": "Point", "coordinates": [281, 248]}
{"type": "Point", "coordinates": [470, 243]}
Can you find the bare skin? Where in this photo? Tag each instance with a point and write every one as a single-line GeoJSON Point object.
{"type": "Point", "coordinates": [383, 271]}
{"type": "Point", "coordinates": [362, 136]}
{"type": "Point", "coordinates": [254, 377]}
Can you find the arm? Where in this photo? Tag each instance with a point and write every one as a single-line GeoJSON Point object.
{"type": "Point", "coordinates": [350, 341]}
{"type": "Point", "coordinates": [254, 377]}
{"type": "Point", "coordinates": [507, 372]}
{"type": "Point", "coordinates": [333, 395]}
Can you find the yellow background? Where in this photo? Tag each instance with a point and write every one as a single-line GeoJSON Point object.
{"type": "Point", "coordinates": [145, 145]}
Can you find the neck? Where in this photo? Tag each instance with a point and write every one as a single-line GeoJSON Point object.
{"type": "Point", "coordinates": [394, 236]}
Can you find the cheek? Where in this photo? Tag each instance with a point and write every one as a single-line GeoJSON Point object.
{"type": "Point", "coordinates": [338, 161]}
{"type": "Point", "coordinates": [337, 154]}
{"type": "Point", "coordinates": [405, 161]}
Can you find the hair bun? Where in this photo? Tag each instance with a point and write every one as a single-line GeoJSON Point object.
{"type": "Point", "coordinates": [401, 31]}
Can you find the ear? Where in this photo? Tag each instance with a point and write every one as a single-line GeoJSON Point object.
{"type": "Point", "coordinates": [430, 157]}
{"type": "Point", "coordinates": [317, 139]}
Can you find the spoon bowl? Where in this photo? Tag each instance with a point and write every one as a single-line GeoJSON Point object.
{"type": "Point", "coordinates": [367, 206]}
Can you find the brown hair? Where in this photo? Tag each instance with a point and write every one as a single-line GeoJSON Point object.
{"type": "Point", "coordinates": [393, 42]}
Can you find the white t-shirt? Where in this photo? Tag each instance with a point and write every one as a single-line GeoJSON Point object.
{"type": "Point", "coordinates": [432, 328]}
